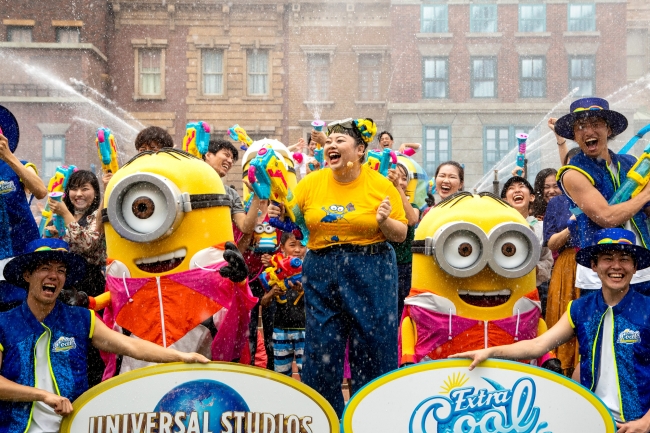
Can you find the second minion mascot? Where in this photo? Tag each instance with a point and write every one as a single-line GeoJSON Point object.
{"type": "Point", "coordinates": [473, 286]}
{"type": "Point", "coordinates": [171, 261]}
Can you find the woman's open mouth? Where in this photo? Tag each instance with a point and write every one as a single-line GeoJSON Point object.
{"type": "Point", "coordinates": [162, 263]}
{"type": "Point", "coordinates": [334, 157]}
{"type": "Point", "coordinates": [485, 299]}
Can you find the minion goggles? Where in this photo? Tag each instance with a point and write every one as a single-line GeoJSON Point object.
{"type": "Point", "coordinates": [145, 207]}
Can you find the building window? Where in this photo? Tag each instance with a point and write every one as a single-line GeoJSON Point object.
{"type": "Point", "coordinates": [582, 74]}
{"type": "Point", "coordinates": [150, 61]}
{"type": "Point", "coordinates": [369, 77]}
{"type": "Point", "coordinates": [19, 34]}
{"type": "Point", "coordinates": [582, 17]}
{"type": "Point", "coordinates": [53, 154]}
{"type": "Point", "coordinates": [532, 18]}
{"type": "Point", "coordinates": [434, 19]}
{"type": "Point", "coordinates": [318, 77]}
{"type": "Point", "coordinates": [484, 77]}
{"type": "Point", "coordinates": [483, 18]}
{"type": "Point", "coordinates": [437, 147]}
{"type": "Point", "coordinates": [498, 141]}
{"type": "Point", "coordinates": [532, 77]}
{"type": "Point", "coordinates": [212, 72]}
{"type": "Point", "coordinates": [258, 72]}
{"type": "Point", "coordinates": [68, 35]}
{"type": "Point", "coordinates": [435, 83]}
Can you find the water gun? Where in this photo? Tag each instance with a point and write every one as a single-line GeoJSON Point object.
{"type": "Point", "coordinates": [197, 138]}
{"type": "Point", "coordinates": [237, 133]}
{"type": "Point", "coordinates": [318, 126]}
{"type": "Point", "coordinates": [521, 154]}
{"type": "Point", "coordinates": [268, 177]}
{"type": "Point", "coordinates": [382, 160]}
{"type": "Point", "coordinates": [637, 177]}
{"type": "Point", "coordinates": [107, 150]}
{"type": "Point", "coordinates": [283, 270]}
{"type": "Point", "coordinates": [55, 189]}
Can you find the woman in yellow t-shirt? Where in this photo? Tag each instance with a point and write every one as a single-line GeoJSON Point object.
{"type": "Point", "coordinates": [350, 271]}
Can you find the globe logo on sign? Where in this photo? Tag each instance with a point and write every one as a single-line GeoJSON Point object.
{"type": "Point", "coordinates": [467, 409]}
{"type": "Point", "coordinates": [198, 405]}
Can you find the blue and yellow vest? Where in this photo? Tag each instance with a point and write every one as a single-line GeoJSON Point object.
{"type": "Point", "coordinates": [602, 178]}
{"type": "Point", "coordinates": [17, 225]}
{"type": "Point", "coordinates": [631, 347]}
{"type": "Point", "coordinates": [71, 329]}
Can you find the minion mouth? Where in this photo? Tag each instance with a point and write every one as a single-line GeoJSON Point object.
{"type": "Point", "coordinates": [485, 299]}
{"type": "Point", "coordinates": [162, 263]}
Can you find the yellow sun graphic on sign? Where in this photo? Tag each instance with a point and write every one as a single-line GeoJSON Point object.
{"type": "Point", "coordinates": [456, 380]}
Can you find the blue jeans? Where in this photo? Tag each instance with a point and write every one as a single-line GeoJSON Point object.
{"type": "Point", "coordinates": [349, 295]}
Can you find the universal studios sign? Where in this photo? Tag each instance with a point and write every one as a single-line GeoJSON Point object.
{"type": "Point", "coordinates": [196, 398]}
{"type": "Point", "coordinates": [497, 397]}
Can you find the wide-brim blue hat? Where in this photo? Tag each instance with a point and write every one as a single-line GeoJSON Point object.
{"type": "Point", "coordinates": [9, 126]}
{"type": "Point", "coordinates": [616, 239]}
{"type": "Point", "coordinates": [590, 107]}
{"type": "Point", "coordinates": [45, 250]}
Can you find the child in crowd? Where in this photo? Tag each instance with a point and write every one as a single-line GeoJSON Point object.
{"type": "Point", "coordinates": [400, 178]}
{"type": "Point", "coordinates": [289, 320]}
{"type": "Point", "coordinates": [519, 193]}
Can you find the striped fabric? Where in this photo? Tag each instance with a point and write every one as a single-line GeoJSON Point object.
{"type": "Point", "coordinates": [286, 344]}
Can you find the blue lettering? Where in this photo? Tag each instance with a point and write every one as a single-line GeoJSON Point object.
{"type": "Point", "coordinates": [502, 411]}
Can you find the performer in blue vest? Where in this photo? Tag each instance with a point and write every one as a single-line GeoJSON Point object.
{"type": "Point", "coordinates": [17, 225]}
{"type": "Point", "coordinates": [613, 329]}
{"type": "Point", "coordinates": [44, 342]}
{"type": "Point", "coordinates": [592, 178]}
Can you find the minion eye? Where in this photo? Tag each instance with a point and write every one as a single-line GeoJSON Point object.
{"type": "Point", "coordinates": [459, 248]}
{"type": "Point", "coordinates": [259, 229]}
{"type": "Point", "coordinates": [462, 249]}
{"type": "Point", "coordinates": [269, 229]}
{"type": "Point", "coordinates": [334, 208]}
{"type": "Point", "coordinates": [144, 207]}
{"type": "Point", "coordinates": [139, 207]}
{"type": "Point", "coordinates": [515, 250]}
{"type": "Point", "coordinates": [340, 208]}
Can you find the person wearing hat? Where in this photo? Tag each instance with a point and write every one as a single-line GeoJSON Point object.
{"type": "Point", "coordinates": [17, 225]}
{"type": "Point", "coordinates": [593, 177]}
{"type": "Point", "coordinates": [613, 330]}
{"type": "Point", "coordinates": [519, 193]}
{"type": "Point", "coordinates": [44, 342]}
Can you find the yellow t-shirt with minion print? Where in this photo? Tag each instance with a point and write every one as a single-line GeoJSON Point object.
{"type": "Point", "coordinates": [345, 213]}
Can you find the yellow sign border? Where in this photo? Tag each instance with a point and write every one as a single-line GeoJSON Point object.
{"type": "Point", "coordinates": [176, 367]}
{"type": "Point", "coordinates": [346, 422]}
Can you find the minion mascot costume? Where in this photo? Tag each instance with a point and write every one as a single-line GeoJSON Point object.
{"type": "Point", "coordinates": [171, 261]}
{"type": "Point", "coordinates": [473, 285]}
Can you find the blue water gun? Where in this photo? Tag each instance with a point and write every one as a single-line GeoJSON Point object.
{"type": "Point", "coordinates": [636, 179]}
{"type": "Point", "coordinates": [521, 154]}
{"type": "Point", "coordinates": [55, 189]}
{"type": "Point", "coordinates": [107, 150]}
{"type": "Point", "coordinates": [382, 160]}
{"type": "Point", "coordinates": [268, 178]}
{"type": "Point", "coordinates": [197, 138]}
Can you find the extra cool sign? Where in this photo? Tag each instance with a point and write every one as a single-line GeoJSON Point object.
{"type": "Point", "coordinates": [497, 397]}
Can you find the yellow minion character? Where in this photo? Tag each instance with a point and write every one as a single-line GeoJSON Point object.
{"type": "Point", "coordinates": [171, 261]}
{"type": "Point", "coordinates": [162, 220]}
{"type": "Point", "coordinates": [473, 284]}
